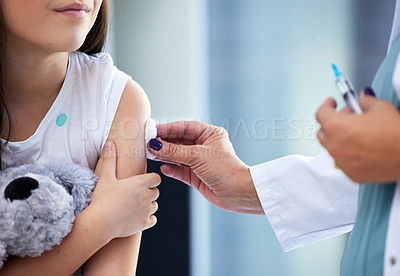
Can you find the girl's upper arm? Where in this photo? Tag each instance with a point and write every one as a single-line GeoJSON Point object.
{"type": "Point", "coordinates": [128, 130]}
{"type": "Point", "coordinates": [119, 257]}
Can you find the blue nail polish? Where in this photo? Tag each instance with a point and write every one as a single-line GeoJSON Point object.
{"type": "Point", "coordinates": [155, 144]}
{"type": "Point", "coordinates": [369, 92]}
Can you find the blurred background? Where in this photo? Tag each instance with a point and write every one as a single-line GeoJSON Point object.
{"type": "Point", "coordinates": [260, 68]}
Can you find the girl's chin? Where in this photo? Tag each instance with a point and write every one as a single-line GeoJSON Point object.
{"type": "Point", "coordinates": [67, 46]}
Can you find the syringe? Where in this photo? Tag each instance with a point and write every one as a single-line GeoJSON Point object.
{"type": "Point", "coordinates": [346, 89]}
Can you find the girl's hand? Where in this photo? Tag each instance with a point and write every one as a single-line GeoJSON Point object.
{"type": "Point", "coordinates": [366, 147]}
{"type": "Point", "coordinates": [126, 206]}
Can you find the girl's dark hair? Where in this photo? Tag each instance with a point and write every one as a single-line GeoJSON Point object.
{"type": "Point", "coordinates": [96, 38]}
{"type": "Point", "coordinates": [4, 114]}
{"type": "Point", "coordinates": [94, 43]}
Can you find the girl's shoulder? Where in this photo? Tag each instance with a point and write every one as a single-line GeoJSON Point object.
{"type": "Point", "coordinates": [102, 63]}
{"type": "Point", "coordinates": [97, 71]}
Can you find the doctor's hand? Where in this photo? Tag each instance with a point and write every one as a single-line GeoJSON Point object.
{"type": "Point", "coordinates": [205, 159]}
{"type": "Point", "coordinates": [365, 147]}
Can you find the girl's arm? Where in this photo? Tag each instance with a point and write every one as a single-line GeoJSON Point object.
{"type": "Point", "coordinates": [112, 213]}
{"type": "Point", "coordinates": [84, 239]}
{"type": "Point", "coordinates": [119, 257]}
{"type": "Point", "coordinates": [119, 208]}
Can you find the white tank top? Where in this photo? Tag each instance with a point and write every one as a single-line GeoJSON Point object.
{"type": "Point", "coordinates": [78, 123]}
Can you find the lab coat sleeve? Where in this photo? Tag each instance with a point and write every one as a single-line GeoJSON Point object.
{"type": "Point", "coordinates": [305, 199]}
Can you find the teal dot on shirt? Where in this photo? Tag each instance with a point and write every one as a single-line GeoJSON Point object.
{"type": "Point", "coordinates": [61, 120]}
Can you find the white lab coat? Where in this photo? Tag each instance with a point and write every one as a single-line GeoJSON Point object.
{"type": "Point", "coordinates": [308, 200]}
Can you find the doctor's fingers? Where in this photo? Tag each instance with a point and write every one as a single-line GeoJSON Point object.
{"type": "Point", "coordinates": [322, 138]}
{"type": "Point", "coordinates": [180, 172]}
{"type": "Point", "coordinates": [177, 154]}
{"type": "Point", "coordinates": [345, 110]}
{"type": "Point", "coordinates": [187, 131]}
{"type": "Point", "coordinates": [371, 104]}
{"type": "Point", "coordinates": [180, 141]}
{"type": "Point", "coordinates": [326, 110]}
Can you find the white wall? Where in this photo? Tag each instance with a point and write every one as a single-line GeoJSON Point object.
{"type": "Point", "coordinates": [268, 66]}
{"type": "Point", "coordinates": [163, 46]}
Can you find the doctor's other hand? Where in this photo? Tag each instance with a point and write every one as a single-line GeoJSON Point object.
{"type": "Point", "coordinates": [366, 146]}
{"type": "Point", "coordinates": [205, 159]}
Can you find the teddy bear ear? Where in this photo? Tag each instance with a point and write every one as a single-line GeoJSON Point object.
{"type": "Point", "coordinates": [20, 188]}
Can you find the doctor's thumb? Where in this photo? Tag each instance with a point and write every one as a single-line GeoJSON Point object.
{"type": "Point", "coordinates": [172, 153]}
{"type": "Point", "coordinates": [367, 99]}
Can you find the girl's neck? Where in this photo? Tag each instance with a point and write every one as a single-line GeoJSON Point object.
{"type": "Point", "coordinates": [34, 76]}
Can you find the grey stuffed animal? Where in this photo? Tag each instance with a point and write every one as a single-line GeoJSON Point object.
{"type": "Point", "coordinates": [38, 205]}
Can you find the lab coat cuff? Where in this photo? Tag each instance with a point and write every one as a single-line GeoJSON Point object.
{"type": "Point", "coordinates": [266, 193]}
{"type": "Point", "coordinates": [305, 199]}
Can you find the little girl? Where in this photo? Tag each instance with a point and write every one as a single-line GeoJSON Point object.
{"type": "Point", "coordinates": [61, 99]}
